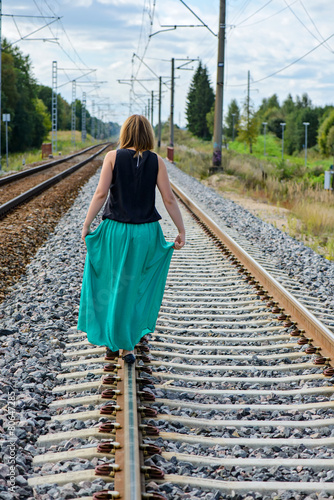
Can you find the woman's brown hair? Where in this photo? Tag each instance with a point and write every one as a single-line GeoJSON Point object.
{"type": "Point", "coordinates": [136, 132]}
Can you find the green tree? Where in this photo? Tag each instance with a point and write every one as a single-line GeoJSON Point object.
{"type": "Point", "coordinates": [200, 99]}
{"type": "Point", "coordinates": [330, 140]}
{"type": "Point", "coordinates": [324, 129]}
{"type": "Point", "coordinates": [248, 125]}
{"type": "Point", "coordinates": [64, 109]}
{"type": "Point", "coordinates": [210, 119]}
{"type": "Point", "coordinates": [233, 109]}
{"type": "Point", "coordinates": [29, 123]}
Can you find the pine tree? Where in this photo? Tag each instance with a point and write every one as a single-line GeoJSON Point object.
{"type": "Point", "coordinates": [200, 99]}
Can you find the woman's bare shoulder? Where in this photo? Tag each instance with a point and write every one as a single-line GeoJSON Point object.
{"type": "Point", "coordinates": [111, 156]}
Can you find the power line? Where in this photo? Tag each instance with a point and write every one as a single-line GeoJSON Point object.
{"type": "Point", "coordinates": [310, 18]}
{"type": "Point", "coordinates": [65, 32]}
{"type": "Point", "coordinates": [303, 24]}
{"type": "Point", "coordinates": [288, 65]}
{"type": "Point", "coordinates": [256, 12]}
{"type": "Point", "coordinates": [241, 10]}
{"type": "Point", "coordinates": [60, 45]}
{"type": "Point", "coordinates": [267, 18]}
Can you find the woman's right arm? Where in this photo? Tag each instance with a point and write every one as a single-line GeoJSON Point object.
{"type": "Point", "coordinates": [171, 204]}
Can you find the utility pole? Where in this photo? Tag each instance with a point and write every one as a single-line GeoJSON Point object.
{"type": "Point", "coordinates": [264, 138]}
{"type": "Point", "coordinates": [54, 110]}
{"type": "Point", "coordinates": [83, 117]}
{"type": "Point", "coordinates": [0, 73]}
{"type": "Point", "coordinates": [248, 98]}
{"type": "Point", "coordinates": [159, 115]}
{"type": "Point", "coordinates": [282, 125]}
{"type": "Point", "coordinates": [171, 120]}
{"type": "Point", "coordinates": [218, 122]}
{"type": "Point", "coordinates": [73, 114]}
{"type": "Point", "coordinates": [93, 120]}
{"type": "Point", "coordinates": [305, 145]}
{"type": "Point", "coordinates": [152, 104]}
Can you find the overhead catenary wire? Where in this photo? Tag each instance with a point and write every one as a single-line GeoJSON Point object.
{"type": "Point", "coordinates": [315, 26]}
{"type": "Point", "coordinates": [59, 44]}
{"type": "Point", "coordinates": [266, 18]}
{"type": "Point", "coordinates": [256, 12]}
{"type": "Point", "coordinates": [288, 65]}
{"type": "Point", "coordinates": [304, 25]}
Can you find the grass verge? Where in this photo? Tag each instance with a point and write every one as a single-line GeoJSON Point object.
{"type": "Point", "coordinates": [17, 161]}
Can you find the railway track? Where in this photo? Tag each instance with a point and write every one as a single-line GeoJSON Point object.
{"type": "Point", "coordinates": [18, 188]}
{"type": "Point", "coordinates": [231, 396]}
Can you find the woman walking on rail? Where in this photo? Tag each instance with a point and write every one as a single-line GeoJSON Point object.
{"type": "Point", "coordinates": [127, 256]}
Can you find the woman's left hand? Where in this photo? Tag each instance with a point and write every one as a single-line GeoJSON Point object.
{"type": "Point", "coordinates": [85, 231]}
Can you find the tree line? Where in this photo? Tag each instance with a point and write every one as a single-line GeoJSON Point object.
{"type": "Point", "coordinates": [29, 105]}
{"type": "Point", "coordinates": [244, 123]}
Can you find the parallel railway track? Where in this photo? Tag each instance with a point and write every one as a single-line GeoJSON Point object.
{"type": "Point", "coordinates": [232, 394]}
{"type": "Point", "coordinates": [8, 202]}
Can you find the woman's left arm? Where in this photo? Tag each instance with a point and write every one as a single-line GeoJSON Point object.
{"type": "Point", "coordinates": [101, 192]}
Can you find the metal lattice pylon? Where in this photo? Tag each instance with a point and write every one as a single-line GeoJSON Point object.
{"type": "Point", "coordinates": [83, 118]}
{"type": "Point", "coordinates": [99, 123]}
{"type": "Point", "coordinates": [93, 120]}
{"type": "Point", "coordinates": [54, 107]}
{"type": "Point", "coordinates": [73, 115]}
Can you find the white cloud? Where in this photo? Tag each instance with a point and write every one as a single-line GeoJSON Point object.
{"type": "Point", "coordinates": [106, 33]}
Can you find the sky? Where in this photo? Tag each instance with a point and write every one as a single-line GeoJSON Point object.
{"type": "Point", "coordinates": [281, 43]}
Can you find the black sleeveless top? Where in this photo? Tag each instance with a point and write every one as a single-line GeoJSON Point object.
{"type": "Point", "coordinates": [132, 191]}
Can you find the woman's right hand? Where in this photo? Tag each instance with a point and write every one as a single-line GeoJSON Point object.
{"type": "Point", "coordinates": [179, 241]}
{"type": "Point", "coordinates": [85, 231]}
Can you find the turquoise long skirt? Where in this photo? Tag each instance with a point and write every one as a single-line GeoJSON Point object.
{"type": "Point", "coordinates": [123, 283]}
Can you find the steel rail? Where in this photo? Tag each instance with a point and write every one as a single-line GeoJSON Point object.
{"type": "Point", "coordinates": [36, 190]}
{"type": "Point", "coordinates": [25, 173]}
{"type": "Point", "coordinates": [127, 457]}
{"type": "Point", "coordinates": [306, 320]}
